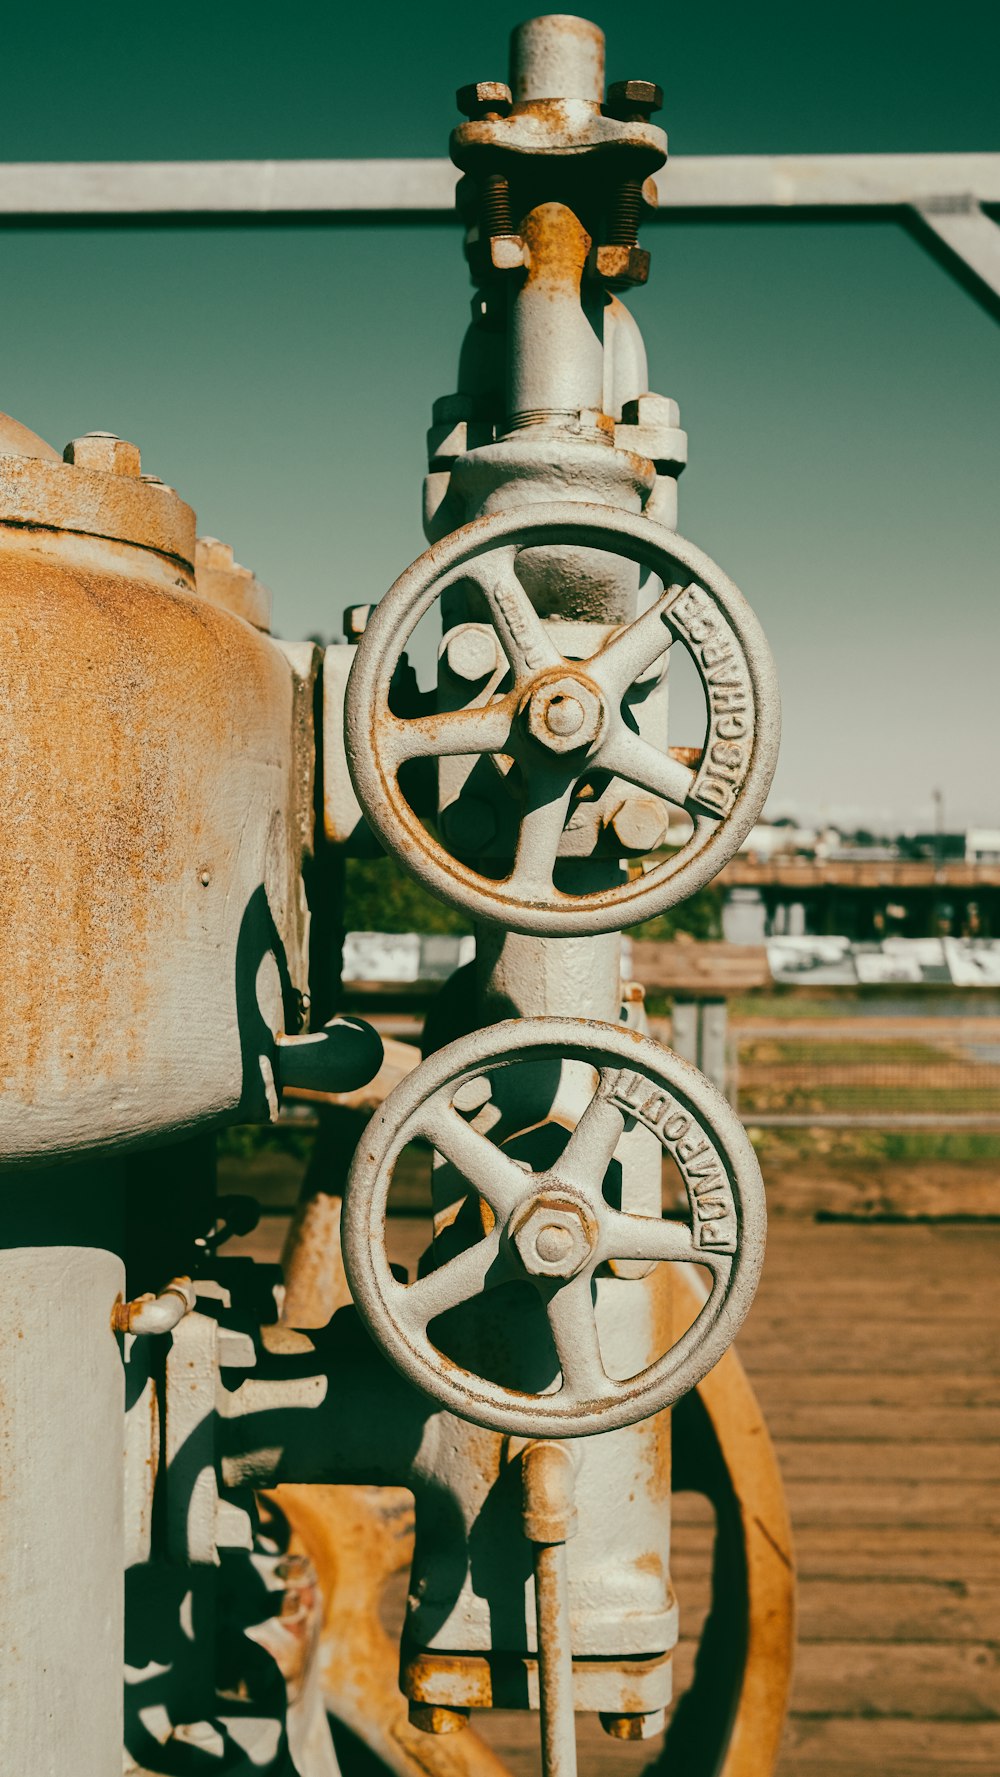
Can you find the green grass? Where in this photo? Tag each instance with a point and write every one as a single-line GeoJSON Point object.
{"type": "Point", "coordinates": [869, 1100]}
{"type": "Point", "coordinates": [906, 1147]}
{"type": "Point", "coordinates": [827, 1052]}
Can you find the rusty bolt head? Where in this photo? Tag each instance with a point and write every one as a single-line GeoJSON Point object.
{"type": "Point", "coordinates": [565, 714]}
{"type": "Point", "coordinates": [622, 266]}
{"type": "Point", "coordinates": [553, 1236]}
{"type": "Point", "coordinates": [639, 824]}
{"type": "Point", "coordinates": [471, 652]}
{"type": "Point", "coordinates": [635, 1727]}
{"type": "Point", "coordinates": [356, 621]}
{"type": "Point", "coordinates": [634, 99]}
{"type": "Point", "coordinates": [486, 98]}
{"type": "Point", "coordinates": [104, 452]}
{"type": "Point", "coordinates": [437, 1718]}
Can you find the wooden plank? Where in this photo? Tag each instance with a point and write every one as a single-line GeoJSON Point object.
{"type": "Point", "coordinates": [896, 1392]}
{"type": "Point", "coordinates": [861, 1609]}
{"type": "Point", "coordinates": [836, 1551]}
{"type": "Point", "coordinates": [890, 1503]}
{"type": "Point", "coordinates": [869, 1746]}
{"type": "Point", "coordinates": [830, 1350]}
{"type": "Point", "coordinates": [839, 1460]}
{"type": "Point", "coordinates": [790, 1421]}
{"type": "Point", "coordinates": [710, 968]}
{"type": "Point", "coordinates": [882, 1191]}
{"type": "Point", "coordinates": [935, 1680]}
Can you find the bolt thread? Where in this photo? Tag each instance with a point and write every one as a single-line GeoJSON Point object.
{"type": "Point", "coordinates": [496, 210]}
{"type": "Point", "coordinates": [625, 214]}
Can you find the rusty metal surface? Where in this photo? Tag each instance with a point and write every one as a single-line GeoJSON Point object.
{"type": "Point", "coordinates": [358, 1538]}
{"type": "Point", "coordinates": [97, 498]}
{"type": "Point", "coordinates": [153, 925]}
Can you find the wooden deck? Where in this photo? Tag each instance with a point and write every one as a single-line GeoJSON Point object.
{"type": "Point", "coordinates": [875, 1353]}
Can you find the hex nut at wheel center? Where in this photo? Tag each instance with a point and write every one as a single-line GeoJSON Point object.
{"type": "Point", "coordinates": [554, 1237]}
{"type": "Point", "coordinates": [565, 713]}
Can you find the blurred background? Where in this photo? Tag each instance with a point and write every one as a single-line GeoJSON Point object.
{"type": "Point", "coordinates": [842, 978]}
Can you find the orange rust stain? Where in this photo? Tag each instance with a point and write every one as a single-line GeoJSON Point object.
{"type": "Point", "coordinates": [557, 246]}
{"type": "Point", "coordinates": [117, 701]}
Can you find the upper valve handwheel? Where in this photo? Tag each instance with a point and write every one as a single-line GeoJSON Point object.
{"type": "Point", "coordinates": [552, 1228]}
{"type": "Point", "coordinates": [563, 722]}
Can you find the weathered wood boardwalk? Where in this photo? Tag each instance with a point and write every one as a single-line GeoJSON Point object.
{"type": "Point", "coordinates": [875, 1353]}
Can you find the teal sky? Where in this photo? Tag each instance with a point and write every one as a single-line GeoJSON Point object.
{"type": "Point", "coordinates": [840, 392]}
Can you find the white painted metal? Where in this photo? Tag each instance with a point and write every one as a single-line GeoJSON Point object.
{"type": "Point", "coordinates": [61, 1513]}
{"type": "Point", "coordinates": [702, 608]}
{"type": "Point", "coordinates": [637, 1080]}
{"type": "Point", "coordinates": [783, 182]}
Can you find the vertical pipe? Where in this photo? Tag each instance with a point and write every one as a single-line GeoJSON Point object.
{"type": "Point", "coordinates": [549, 1519]}
{"type": "Point", "coordinates": [557, 57]}
{"type": "Point", "coordinates": [555, 1661]}
{"type": "Point", "coordinates": [61, 1512]}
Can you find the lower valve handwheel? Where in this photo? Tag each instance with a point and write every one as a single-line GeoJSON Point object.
{"type": "Point", "coordinates": [561, 731]}
{"type": "Point", "coordinates": [554, 1228]}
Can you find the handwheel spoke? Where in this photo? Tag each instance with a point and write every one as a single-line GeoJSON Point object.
{"type": "Point", "coordinates": [450, 734]}
{"type": "Point", "coordinates": [574, 1330]}
{"type": "Point", "coordinates": [634, 759]}
{"type": "Point", "coordinates": [542, 822]}
{"type": "Point", "coordinates": [647, 1237]}
{"type": "Point", "coordinates": [522, 634]}
{"type": "Point", "coordinates": [458, 1280]}
{"type": "Point", "coordinates": [622, 659]}
{"type": "Point", "coordinates": [590, 1150]}
{"type": "Point", "coordinates": [486, 1167]}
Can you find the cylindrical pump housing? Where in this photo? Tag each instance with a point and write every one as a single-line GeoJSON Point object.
{"type": "Point", "coordinates": [157, 761]}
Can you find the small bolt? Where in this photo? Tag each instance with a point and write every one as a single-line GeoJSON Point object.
{"type": "Point", "coordinates": [639, 824]}
{"type": "Point", "coordinates": [634, 101]}
{"type": "Point", "coordinates": [356, 621]}
{"type": "Point", "coordinates": [635, 1727]}
{"type": "Point", "coordinates": [564, 715]}
{"type": "Point", "coordinates": [485, 98]}
{"type": "Point", "coordinates": [471, 652]}
{"type": "Point", "coordinates": [434, 1718]}
{"type": "Point", "coordinates": [103, 452]}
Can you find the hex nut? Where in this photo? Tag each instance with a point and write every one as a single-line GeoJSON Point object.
{"type": "Point", "coordinates": [651, 410]}
{"type": "Point", "coordinates": [554, 1237]}
{"type": "Point", "coordinates": [639, 824]}
{"type": "Point", "coordinates": [622, 265]}
{"type": "Point", "coordinates": [633, 98]}
{"type": "Point", "coordinates": [565, 714]}
{"type": "Point", "coordinates": [471, 652]}
{"type": "Point", "coordinates": [484, 98]}
{"type": "Point", "coordinates": [356, 621]}
{"type": "Point", "coordinates": [635, 1727]}
{"type": "Point", "coordinates": [105, 453]}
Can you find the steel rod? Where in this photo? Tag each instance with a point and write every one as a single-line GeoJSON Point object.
{"type": "Point", "coordinates": [253, 189]}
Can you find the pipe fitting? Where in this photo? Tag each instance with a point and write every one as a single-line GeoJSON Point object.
{"type": "Point", "coordinates": [155, 1313]}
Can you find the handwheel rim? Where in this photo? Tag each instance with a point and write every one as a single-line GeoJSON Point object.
{"type": "Point", "coordinates": [376, 1291]}
{"type": "Point", "coordinates": [393, 621]}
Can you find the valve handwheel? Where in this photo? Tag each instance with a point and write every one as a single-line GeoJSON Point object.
{"type": "Point", "coordinates": [562, 721]}
{"type": "Point", "coordinates": [555, 1227]}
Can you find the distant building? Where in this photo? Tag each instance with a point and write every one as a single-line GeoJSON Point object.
{"type": "Point", "coordinates": [982, 845]}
